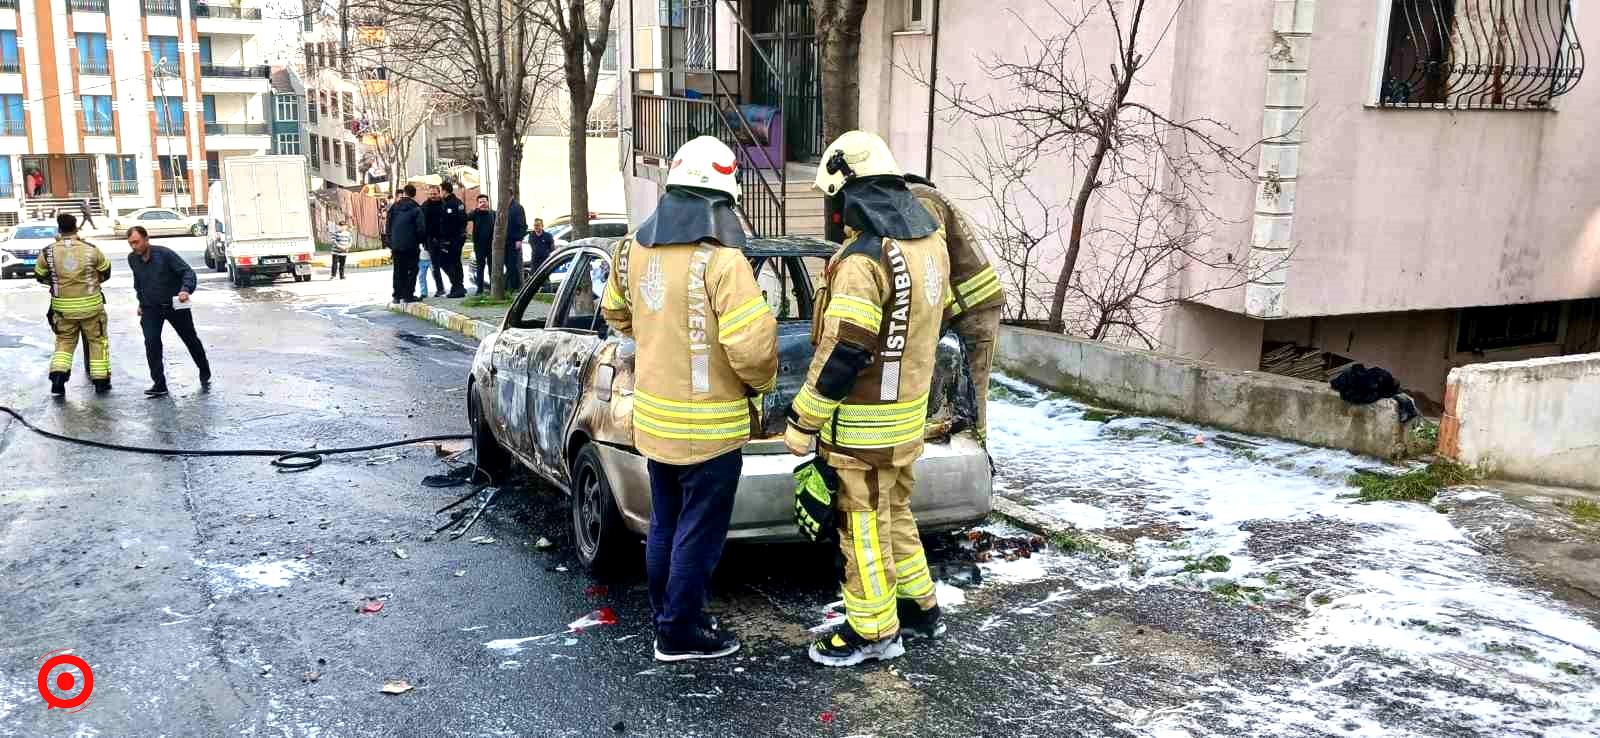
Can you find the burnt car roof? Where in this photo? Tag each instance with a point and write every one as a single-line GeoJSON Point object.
{"type": "Point", "coordinates": [773, 246]}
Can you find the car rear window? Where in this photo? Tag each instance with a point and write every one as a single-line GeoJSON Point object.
{"type": "Point", "coordinates": [35, 232]}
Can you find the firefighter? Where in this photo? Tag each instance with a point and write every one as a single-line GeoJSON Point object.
{"type": "Point", "coordinates": [684, 291]}
{"type": "Point", "coordinates": [74, 269]}
{"type": "Point", "coordinates": [865, 398]}
{"type": "Point", "coordinates": [976, 295]}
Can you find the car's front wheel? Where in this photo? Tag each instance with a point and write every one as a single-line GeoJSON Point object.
{"type": "Point", "coordinates": [597, 529]}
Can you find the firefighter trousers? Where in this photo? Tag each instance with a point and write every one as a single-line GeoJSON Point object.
{"type": "Point", "coordinates": [883, 554]}
{"type": "Point", "coordinates": [977, 331]}
{"type": "Point", "coordinates": [96, 344]}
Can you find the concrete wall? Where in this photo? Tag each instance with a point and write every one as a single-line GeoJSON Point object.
{"type": "Point", "coordinates": [1161, 384]}
{"type": "Point", "coordinates": [1536, 420]}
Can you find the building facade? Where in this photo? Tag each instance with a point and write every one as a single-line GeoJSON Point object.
{"type": "Point", "coordinates": [1423, 188]}
{"type": "Point", "coordinates": [126, 103]}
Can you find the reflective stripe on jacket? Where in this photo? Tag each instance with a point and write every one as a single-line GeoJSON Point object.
{"type": "Point", "coordinates": [74, 269]}
{"type": "Point", "coordinates": [707, 346]}
{"type": "Point", "coordinates": [877, 331]}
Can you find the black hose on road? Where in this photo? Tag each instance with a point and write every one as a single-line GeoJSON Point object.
{"type": "Point", "coordinates": [285, 460]}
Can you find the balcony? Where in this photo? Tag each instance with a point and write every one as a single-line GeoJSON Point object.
{"type": "Point", "coordinates": [98, 67]}
{"type": "Point", "coordinates": [159, 7]}
{"type": "Point", "coordinates": [99, 129]}
{"type": "Point", "coordinates": [227, 20]}
{"type": "Point", "coordinates": [10, 67]}
{"type": "Point", "coordinates": [13, 128]}
{"type": "Point", "coordinates": [226, 12]}
{"type": "Point", "coordinates": [222, 70]}
{"type": "Point", "coordinates": [124, 186]}
{"type": "Point", "coordinates": [221, 78]}
{"type": "Point", "coordinates": [87, 6]}
{"type": "Point", "coordinates": [8, 4]}
{"type": "Point", "coordinates": [255, 137]}
{"type": "Point", "coordinates": [237, 129]}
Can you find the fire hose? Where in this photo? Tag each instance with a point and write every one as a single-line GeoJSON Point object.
{"type": "Point", "coordinates": [286, 460]}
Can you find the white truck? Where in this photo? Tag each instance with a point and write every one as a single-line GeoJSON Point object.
{"type": "Point", "coordinates": [261, 219]}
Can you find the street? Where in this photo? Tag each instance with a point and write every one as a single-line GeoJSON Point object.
{"type": "Point", "coordinates": [215, 596]}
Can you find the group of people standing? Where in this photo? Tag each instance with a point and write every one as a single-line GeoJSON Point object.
{"type": "Point", "coordinates": [429, 237]}
{"type": "Point", "coordinates": [684, 291]}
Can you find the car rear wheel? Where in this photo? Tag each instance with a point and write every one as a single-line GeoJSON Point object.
{"type": "Point", "coordinates": [210, 262]}
{"type": "Point", "coordinates": [491, 457]}
{"type": "Point", "coordinates": [597, 530]}
{"type": "Point", "coordinates": [196, 230]}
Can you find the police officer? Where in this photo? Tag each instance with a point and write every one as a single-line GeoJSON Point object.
{"type": "Point", "coordinates": [865, 398]}
{"type": "Point", "coordinates": [683, 290]}
{"type": "Point", "coordinates": [976, 296]}
{"type": "Point", "coordinates": [74, 269]}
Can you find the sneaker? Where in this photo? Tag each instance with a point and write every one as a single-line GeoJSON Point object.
{"type": "Point", "coordinates": [917, 622]}
{"type": "Point", "coordinates": [58, 386]}
{"type": "Point", "coordinates": [157, 390]}
{"type": "Point", "coordinates": [843, 646]}
{"type": "Point", "coordinates": [700, 643]}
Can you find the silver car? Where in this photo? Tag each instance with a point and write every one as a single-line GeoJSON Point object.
{"type": "Point", "coordinates": [553, 392]}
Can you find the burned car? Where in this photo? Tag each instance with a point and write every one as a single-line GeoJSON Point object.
{"type": "Point", "coordinates": [553, 392]}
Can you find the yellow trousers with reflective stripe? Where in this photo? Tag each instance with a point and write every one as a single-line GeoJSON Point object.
{"type": "Point", "coordinates": [882, 551]}
{"type": "Point", "coordinates": [95, 343]}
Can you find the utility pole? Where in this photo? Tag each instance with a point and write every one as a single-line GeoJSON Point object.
{"type": "Point", "coordinates": [165, 114]}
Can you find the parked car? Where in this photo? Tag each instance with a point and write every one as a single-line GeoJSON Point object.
{"type": "Point", "coordinates": [159, 222]}
{"type": "Point", "coordinates": [600, 226]}
{"type": "Point", "coordinates": [6, 263]}
{"type": "Point", "coordinates": [24, 243]}
{"type": "Point", "coordinates": [552, 390]}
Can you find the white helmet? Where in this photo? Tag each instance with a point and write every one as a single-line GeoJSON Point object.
{"type": "Point", "coordinates": [706, 163]}
{"type": "Point", "coordinates": [854, 154]}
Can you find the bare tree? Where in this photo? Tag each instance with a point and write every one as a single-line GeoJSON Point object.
{"type": "Point", "coordinates": [491, 55]}
{"type": "Point", "coordinates": [838, 39]}
{"type": "Point", "coordinates": [582, 28]}
{"type": "Point", "coordinates": [1129, 158]}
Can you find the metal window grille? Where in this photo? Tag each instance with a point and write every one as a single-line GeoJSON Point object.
{"type": "Point", "coordinates": [697, 44]}
{"type": "Point", "coordinates": [1480, 54]}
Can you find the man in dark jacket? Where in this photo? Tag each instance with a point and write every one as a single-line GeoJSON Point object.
{"type": "Point", "coordinates": [163, 282]}
{"type": "Point", "coordinates": [482, 223]}
{"type": "Point", "coordinates": [516, 230]}
{"type": "Point", "coordinates": [433, 218]}
{"type": "Point", "coordinates": [453, 233]}
{"type": "Point", "coordinates": [407, 232]}
{"type": "Point", "coordinates": [541, 243]}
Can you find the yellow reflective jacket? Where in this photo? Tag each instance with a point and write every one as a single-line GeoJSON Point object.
{"type": "Point", "coordinates": [707, 346]}
{"type": "Point", "coordinates": [877, 331]}
{"type": "Point", "coordinates": [74, 269]}
{"type": "Point", "coordinates": [974, 285]}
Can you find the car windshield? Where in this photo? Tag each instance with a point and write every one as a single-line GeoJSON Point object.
{"type": "Point", "coordinates": [38, 231]}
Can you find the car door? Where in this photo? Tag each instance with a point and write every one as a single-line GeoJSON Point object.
{"type": "Point", "coordinates": [562, 360]}
{"type": "Point", "coordinates": [155, 221]}
{"type": "Point", "coordinates": [511, 364]}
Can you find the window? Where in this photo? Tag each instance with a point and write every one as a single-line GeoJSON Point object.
{"type": "Point", "coordinates": [915, 18]}
{"type": "Point", "coordinates": [13, 123]}
{"type": "Point", "coordinates": [209, 104]}
{"type": "Point", "coordinates": [97, 120]}
{"type": "Point", "coordinates": [456, 148]}
{"type": "Point", "coordinates": [1509, 326]}
{"type": "Point", "coordinates": [535, 305]}
{"type": "Point", "coordinates": [671, 13]}
{"type": "Point", "coordinates": [1466, 55]}
{"type": "Point", "coordinates": [10, 61]}
{"type": "Point", "coordinates": [311, 150]}
{"type": "Point", "coordinates": [169, 116]}
{"type": "Point", "coordinates": [327, 145]}
{"type": "Point", "coordinates": [322, 102]}
{"type": "Point", "coordinates": [311, 109]}
{"type": "Point", "coordinates": [288, 107]}
{"type": "Point", "coordinates": [6, 185]}
{"type": "Point", "coordinates": [338, 153]}
{"type": "Point", "coordinates": [311, 57]}
{"type": "Point", "coordinates": [158, 215]}
{"type": "Point", "coordinates": [286, 143]}
{"type": "Point", "coordinates": [165, 47]}
{"type": "Point", "coordinates": [205, 49]}
{"type": "Point", "coordinates": [580, 308]}
{"type": "Point", "coordinates": [608, 60]}
{"type": "Point", "coordinates": [124, 174]}
{"type": "Point", "coordinates": [213, 166]}
{"type": "Point", "coordinates": [173, 166]}
{"type": "Point", "coordinates": [349, 107]}
{"type": "Point", "coordinates": [349, 160]}
{"type": "Point", "coordinates": [91, 53]}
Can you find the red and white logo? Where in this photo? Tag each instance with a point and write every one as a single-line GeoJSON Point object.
{"type": "Point", "coordinates": [59, 686]}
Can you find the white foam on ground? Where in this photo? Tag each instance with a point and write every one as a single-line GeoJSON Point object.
{"type": "Point", "coordinates": [1402, 592]}
{"type": "Point", "coordinates": [231, 578]}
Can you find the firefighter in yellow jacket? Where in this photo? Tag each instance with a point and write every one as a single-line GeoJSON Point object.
{"type": "Point", "coordinates": [865, 398]}
{"type": "Point", "coordinates": [707, 350]}
{"type": "Point", "coordinates": [74, 269]}
{"type": "Point", "coordinates": [976, 296]}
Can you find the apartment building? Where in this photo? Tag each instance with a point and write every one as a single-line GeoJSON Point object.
{"type": "Point", "coordinates": [1425, 196]}
{"type": "Point", "coordinates": [353, 107]}
{"type": "Point", "coordinates": [126, 103]}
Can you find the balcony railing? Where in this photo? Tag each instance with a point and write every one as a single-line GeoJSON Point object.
{"type": "Point", "coordinates": [10, 67]}
{"type": "Point", "coordinates": [124, 186]}
{"type": "Point", "coordinates": [93, 67]}
{"type": "Point", "coordinates": [13, 128]}
{"type": "Point", "coordinates": [87, 6]}
{"type": "Point", "coordinates": [99, 129]}
{"type": "Point", "coordinates": [238, 129]}
{"type": "Point", "coordinates": [226, 12]}
{"type": "Point", "coordinates": [221, 70]}
{"type": "Point", "coordinates": [662, 124]}
{"type": "Point", "coordinates": [159, 7]}
{"type": "Point", "coordinates": [8, 4]}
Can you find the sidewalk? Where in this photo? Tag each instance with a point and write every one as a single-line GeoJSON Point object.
{"type": "Point", "coordinates": [372, 259]}
{"type": "Point", "coordinates": [451, 314]}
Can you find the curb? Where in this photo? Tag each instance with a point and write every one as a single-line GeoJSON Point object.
{"type": "Point", "coordinates": [1032, 520]}
{"type": "Point", "coordinates": [465, 325]}
{"type": "Point", "coordinates": [325, 262]}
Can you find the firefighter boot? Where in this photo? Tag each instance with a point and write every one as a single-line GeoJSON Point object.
{"type": "Point", "coordinates": [842, 646]}
{"type": "Point", "coordinates": [917, 622]}
{"type": "Point", "coordinates": [58, 384]}
{"type": "Point", "coordinates": [102, 386]}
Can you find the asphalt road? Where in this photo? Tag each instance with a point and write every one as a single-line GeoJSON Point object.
{"type": "Point", "coordinates": [216, 597]}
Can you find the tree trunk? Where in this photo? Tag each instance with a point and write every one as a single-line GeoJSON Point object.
{"type": "Point", "coordinates": [505, 179]}
{"type": "Point", "coordinates": [578, 166]}
{"type": "Point", "coordinates": [1080, 205]}
{"type": "Point", "coordinates": [839, 48]}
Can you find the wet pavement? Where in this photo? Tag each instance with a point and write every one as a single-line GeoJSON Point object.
{"type": "Point", "coordinates": [214, 596]}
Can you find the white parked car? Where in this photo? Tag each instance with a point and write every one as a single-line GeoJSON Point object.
{"type": "Point", "coordinates": [159, 222]}
{"type": "Point", "coordinates": [600, 226]}
{"type": "Point", "coordinates": [23, 245]}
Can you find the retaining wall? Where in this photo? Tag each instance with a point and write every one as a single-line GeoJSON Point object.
{"type": "Point", "coordinates": [1536, 420]}
{"type": "Point", "coordinates": [1197, 391]}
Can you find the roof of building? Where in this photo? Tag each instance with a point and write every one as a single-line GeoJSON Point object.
{"type": "Point", "coordinates": [282, 80]}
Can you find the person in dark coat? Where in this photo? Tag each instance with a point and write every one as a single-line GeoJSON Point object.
{"type": "Point", "coordinates": [433, 218]}
{"type": "Point", "coordinates": [516, 230]}
{"type": "Point", "coordinates": [88, 214]}
{"type": "Point", "coordinates": [453, 234]}
{"type": "Point", "coordinates": [481, 221]}
{"type": "Point", "coordinates": [407, 232]}
{"type": "Point", "coordinates": [541, 243]}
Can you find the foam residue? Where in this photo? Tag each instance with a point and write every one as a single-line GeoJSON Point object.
{"type": "Point", "coordinates": [231, 578]}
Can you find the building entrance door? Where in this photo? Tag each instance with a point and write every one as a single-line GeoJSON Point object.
{"type": "Point", "coordinates": [81, 176]}
{"type": "Point", "coordinates": [785, 31]}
